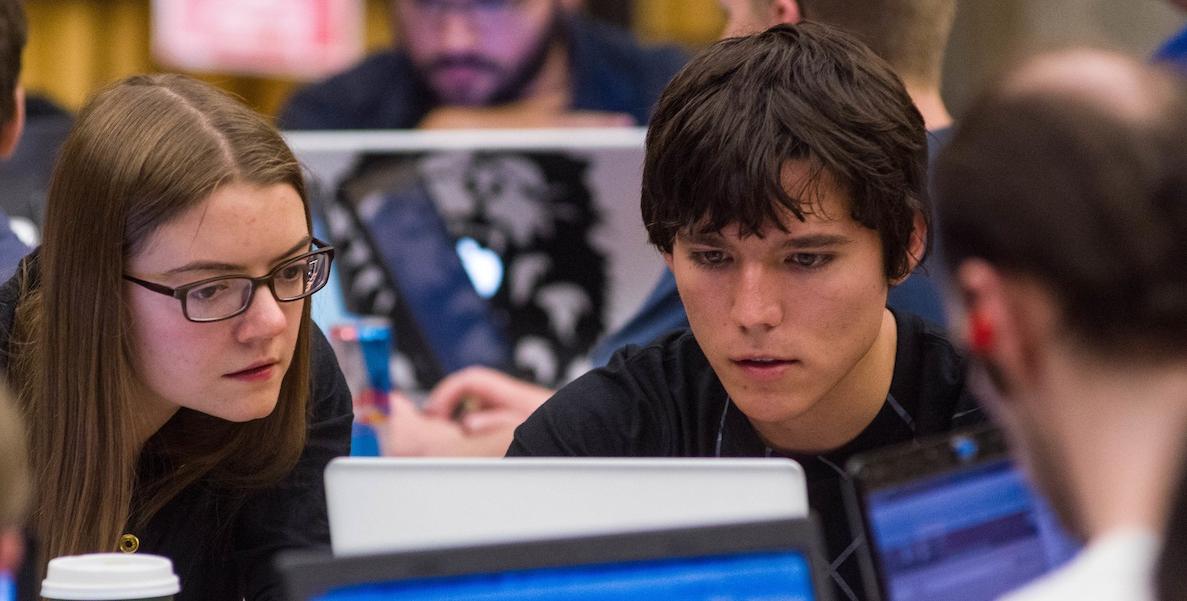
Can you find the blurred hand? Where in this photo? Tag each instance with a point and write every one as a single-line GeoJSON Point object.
{"type": "Point", "coordinates": [486, 399]}
{"type": "Point", "coordinates": [409, 432]}
{"type": "Point", "coordinates": [490, 404]}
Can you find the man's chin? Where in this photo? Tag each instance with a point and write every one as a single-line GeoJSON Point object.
{"type": "Point", "coordinates": [468, 96]}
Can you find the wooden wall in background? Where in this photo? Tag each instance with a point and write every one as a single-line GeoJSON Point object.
{"type": "Point", "coordinates": [77, 46]}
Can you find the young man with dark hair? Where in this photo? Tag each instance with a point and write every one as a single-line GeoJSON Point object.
{"type": "Point", "coordinates": [911, 33]}
{"type": "Point", "coordinates": [785, 184]}
{"type": "Point", "coordinates": [1064, 202]}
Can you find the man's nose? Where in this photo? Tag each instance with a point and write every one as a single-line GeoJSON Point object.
{"type": "Point", "coordinates": [458, 31]}
{"type": "Point", "coordinates": [757, 303]}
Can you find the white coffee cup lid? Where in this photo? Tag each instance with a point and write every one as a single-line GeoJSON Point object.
{"type": "Point", "coordinates": [102, 576]}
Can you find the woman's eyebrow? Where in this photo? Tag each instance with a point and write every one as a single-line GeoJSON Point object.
{"type": "Point", "coordinates": [219, 266]}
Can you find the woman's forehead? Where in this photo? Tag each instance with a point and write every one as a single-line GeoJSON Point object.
{"type": "Point", "coordinates": [237, 224]}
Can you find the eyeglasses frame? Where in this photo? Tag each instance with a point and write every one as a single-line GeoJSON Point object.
{"type": "Point", "coordinates": [180, 292]}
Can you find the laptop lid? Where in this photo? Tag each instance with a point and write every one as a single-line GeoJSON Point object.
{"type": "Point", "coordinates": [545, 223]}
{"type": "Point", "coordinates": [766, 560]}
{"type": "Point", "coordinates": [951, 518]}
{"type": "Point", "coordinates": [388, 504]}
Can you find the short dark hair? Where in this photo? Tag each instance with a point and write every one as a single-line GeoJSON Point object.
{"type": "Point", "coordinates": [734, 116]}
{"type": "Point", "coordinates": [13, 35]}
{"type": "Point", "coordinates": [1088, 201]}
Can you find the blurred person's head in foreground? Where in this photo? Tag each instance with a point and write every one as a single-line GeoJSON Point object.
{"type": "Point", "coordinates": [1063, 198]}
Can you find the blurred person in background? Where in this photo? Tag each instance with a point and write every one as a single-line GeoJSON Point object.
{"type": "Point", "coordinates": [13, 34]}
{"type": "Point", "coordinates": [1063, 198]}
{"type": "Point", "coordinates": [491, 63]}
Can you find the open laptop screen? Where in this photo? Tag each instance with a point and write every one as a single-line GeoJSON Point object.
{"type": "Point", "coordinates": [970, 532]}
{"type": "Point", "coordinates": [766, 576]}
{"type": "Point", "coordinates": [771, 561]}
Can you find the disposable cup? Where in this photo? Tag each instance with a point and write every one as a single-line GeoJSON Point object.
{"type": "Point", "coordinates": [110, 577]}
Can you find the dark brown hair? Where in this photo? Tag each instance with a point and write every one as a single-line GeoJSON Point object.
{"type": "Point", "coordinates": [13, 35]}
{"type": "Point", "coordinates": [141, 152]}
{"type": "Point", "coordinates": [734, 116]}
{"type": "Point", "coordinates": [1087, 200]}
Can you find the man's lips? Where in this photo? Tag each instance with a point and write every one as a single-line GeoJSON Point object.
{"type": "Point", "coordinates": [763, 368]}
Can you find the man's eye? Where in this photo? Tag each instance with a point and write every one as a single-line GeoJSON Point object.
{"type": "Point", "coordinates": [710, 258]}
{"type": "Point", "coordinates": [809, 260]}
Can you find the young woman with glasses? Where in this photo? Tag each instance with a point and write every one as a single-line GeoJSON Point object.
{"type": "Point", "coordinates": [179, 399]}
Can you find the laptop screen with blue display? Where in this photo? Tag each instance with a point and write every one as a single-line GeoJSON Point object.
{"type": "Point", "coordinates": [767, 562]}
{"type": "Point", "coordinates": [760, 576]}
{"type": "Point", "coordinates": [972, 532]}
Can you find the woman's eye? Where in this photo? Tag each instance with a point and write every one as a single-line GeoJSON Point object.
{"type": "Point", "coordinates": [209, 292]}
{"type": "Point", "coordinates": [292, 272]}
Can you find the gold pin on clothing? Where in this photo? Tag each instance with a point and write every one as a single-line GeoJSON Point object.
{"type": "Point", "coordinates": [129, 543]}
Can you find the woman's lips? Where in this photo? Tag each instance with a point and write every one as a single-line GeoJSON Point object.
{"type": "Point", "coordinates": [256, 373]}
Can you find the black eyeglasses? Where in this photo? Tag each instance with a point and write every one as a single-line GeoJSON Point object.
{"type": "Point", "coordinates": [225, 296]}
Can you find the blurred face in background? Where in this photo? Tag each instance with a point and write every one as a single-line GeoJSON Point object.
{"type": "Point", "coordinates": [477, 52]}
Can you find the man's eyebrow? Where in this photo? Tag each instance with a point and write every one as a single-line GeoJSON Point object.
{"type": "Point", "coordinates": [816, 241]}
{"type": "Point", "coordinates": [217, 266]}
{"type": "Point", "coordinates": [707, 238]}
{"type": "Point", "coordinates": [805, 241]}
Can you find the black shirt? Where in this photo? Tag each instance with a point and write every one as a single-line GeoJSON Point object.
{"type": "Point", "coordinates": [664, 400]}
{"type": "Point", "coordinates": [222, 543]}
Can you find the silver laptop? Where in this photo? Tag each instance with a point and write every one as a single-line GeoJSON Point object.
{"type": "Point", "coordinates": [397, 504]}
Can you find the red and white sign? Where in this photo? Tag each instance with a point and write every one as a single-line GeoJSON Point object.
{"type": "Point", "coordinates": [290, 38]}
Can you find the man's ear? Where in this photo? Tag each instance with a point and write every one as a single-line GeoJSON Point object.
{"type": "Point", "coordinates": [915, 246]}
{"type": "Point", "coordinates": [1009, 322]}
{"type": "Point", "coordinates": [10, 132]}
{"type": "Point", "coordinates": [785, 11]}
{"type": "Point", "coordinates": [668, 261]}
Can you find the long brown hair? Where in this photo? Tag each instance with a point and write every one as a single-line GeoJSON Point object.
{"type": "Point", "coordinates": [142, 152]}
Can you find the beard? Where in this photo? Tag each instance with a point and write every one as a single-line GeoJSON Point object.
{"type": "Point", "coordinates": [512, 81]}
